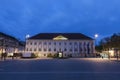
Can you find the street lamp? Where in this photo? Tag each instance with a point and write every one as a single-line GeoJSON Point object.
{"type": "Point", "coordinates": [96, 36]}
{"type": "Point", "coordinates": [26, 37]}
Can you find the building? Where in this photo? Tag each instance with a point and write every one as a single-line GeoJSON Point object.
{"type": "Point", "coordinates": [8, 44]}
{"type": "Point", "coordinates": [64, 44]}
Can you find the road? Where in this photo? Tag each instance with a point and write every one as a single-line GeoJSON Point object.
{"type": "Point", "coordinates": [60, 69]}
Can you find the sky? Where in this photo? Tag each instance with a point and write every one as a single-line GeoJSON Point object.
{"type": "Point", "coordinates": [21, 17]}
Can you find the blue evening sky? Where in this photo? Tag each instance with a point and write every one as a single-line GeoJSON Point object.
{"type": "Point", "coordinates": [22, 17]}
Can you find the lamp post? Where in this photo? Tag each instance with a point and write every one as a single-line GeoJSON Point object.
{"type": "Point", "coordinates": [26, 37]}
{"type": "Point", "coordinates": [95, 37]}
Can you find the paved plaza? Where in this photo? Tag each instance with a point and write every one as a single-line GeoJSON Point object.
{"type": "Point", "coordinates": [60, 69]}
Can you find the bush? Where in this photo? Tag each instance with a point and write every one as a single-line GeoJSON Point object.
{"type": "Point", "coordinates": [33, 55]}
{"type": "Point", "coordinates": [56, 56]}
{"type": "Point", "coordinates": [49, 55]}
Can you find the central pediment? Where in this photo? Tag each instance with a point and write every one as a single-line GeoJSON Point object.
{"type": "Point", "coordinates": [60, 37]}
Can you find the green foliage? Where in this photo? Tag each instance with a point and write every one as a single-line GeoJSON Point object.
{"type": "Point", "coordinates": [110, 42]}
{"type": "Point", "coordinates": [49, 55]}
{"type": "Point", "coordinates": [55, 55]}
{"type": "Point", "coordinates": [33, 55]}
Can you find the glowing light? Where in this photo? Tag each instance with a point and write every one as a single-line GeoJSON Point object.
{"type": "Point", "coordinates": [111, 52]}
{"type": "Point", "coordinates": [27, 36]}
{"type": "Point", "coordinates": [60, 38]}
{"type": "Point", "coordinates": [60, 55]}
{"type": "Point", "coordinates": [96, 35]}
{"type": "Point", "coordinates": [10, 54]}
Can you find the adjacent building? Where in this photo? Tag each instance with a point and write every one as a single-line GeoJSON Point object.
{"type": "Point", "coordinates": [64, 44]}
{"type": "Point", "coordinates": [8, 44]}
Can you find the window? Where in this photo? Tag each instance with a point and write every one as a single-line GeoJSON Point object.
{"type": "Point", "coordinates": [45, 49]}
{"type": "Point", "coordinates": [30, 49]}
{"type": "Point", "coordinates": [65, 43]}
{"type": "Point", "coordinates": [27, 43]}
{"type": "Point", "coordinates": [39, 43]}
{"type": "Point", "coordinates": [49, 49]}
{"type": "Point", "coordinates": [85, 49]}
{"type": "Point", "coordinates": [70, 43]}
{"type": "Point", "coordinates": [35, 43]}
{"type": "Point", "coordinates": [31, 43]}
{"type": "Point", "coordinates": [54, 43]}
{"type": "Point", "coordinates": [49, 43]}
{"type": "Point", "coordinates": [76, 49]}
{"type": "Point", "coordinates": [55, 49]}
{"type": "Point", "coordinates": [26, 49]}
{"type": "Point", "coordinates": [39, 49]}
{"type": "Point", "coordinates": [35, 49]}
{"type": "Point", "coordinates": [45, 43]}
{"type": "Point", "coordinates": [65, 55]}
{"type": "Point", "coordinates": [84, 44]}
{"type": "Point", "coordinates": [60, 49]}
{"type": "Point", "coordinates": [44, 54]}
{"type": "Point", "coordinates": [80, 43]}
{"type": "Point", "coordinates": [59, 43]}
{"type": "Point", "coordinates": [75, 43]}
{"type": "Point", "coordinates": [71, 50]}
{"type": "Point", "coordinates": [65, 49]}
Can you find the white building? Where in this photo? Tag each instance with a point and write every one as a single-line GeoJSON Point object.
{"type": "Point", "coordinates": [66, 44]}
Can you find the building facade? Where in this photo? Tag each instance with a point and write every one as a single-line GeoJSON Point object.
{"type": "Point", "coordinates": [66, 44]}
{"type": "Point", "coordinates": [8, 44]}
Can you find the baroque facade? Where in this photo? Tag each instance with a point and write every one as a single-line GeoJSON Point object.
{"type": "Point", "coordinates": [66, 44]}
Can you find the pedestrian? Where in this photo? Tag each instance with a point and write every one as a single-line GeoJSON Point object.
{"type": "Point", "coordinates": [5, 55]}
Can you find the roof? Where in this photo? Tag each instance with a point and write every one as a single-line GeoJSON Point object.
{"type": "Point", "coordinates": [51, 36]}
{"type": "Point", "coordinates": [6, 35]}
